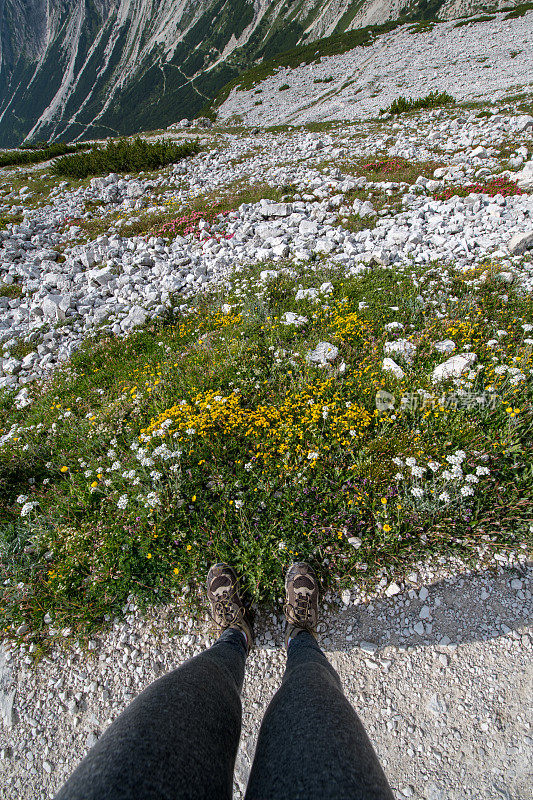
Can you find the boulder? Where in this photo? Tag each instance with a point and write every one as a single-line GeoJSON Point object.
{"type": "Point", "coordinates": [276, 210]}
{"type": "Point", "coordinates": [524, 178]}
{"type": "Point", "coordinates": [87, 258]}
{"type": "Point", "coordinates": [323, 353]}
{"type": "Point", "coordinates": [520, 242]}
{"type": "Point", "coordinates": [55, 306]}
{"type": "Point", "coordinates": [453, 367]}
{"type": "Point", "coordinates": [290, 318]}
{"type": "Point", "coordinates": [446, 346]}
{"type": "Point", "coordinates": [401, 347]}
{"type": "Point", "coordinates": [523, 123]}
{"type": "Point", "coordinates": [391, 366]}
{"type": "Point", "coordinates": [100, 277]}
{"type": "Point", "coordinates": [11, 366]}
{"type": "Point", "coordinates": [135, 318]}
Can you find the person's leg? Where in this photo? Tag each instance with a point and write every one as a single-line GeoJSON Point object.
{"type": "Point", "coordinates": [178, 739]}
{"type": "Point", "coordinates": [312, 745]}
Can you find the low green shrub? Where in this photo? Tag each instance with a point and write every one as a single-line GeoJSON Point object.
{"type": "Point", "coordinates": [124, 156]}
{"type": "Point", "coordinates": [30, 155]}
{"type": "Point", "coordinates": [472, 20]}
{"type": "Point", "coordinates": [518, 11]}
{"type": "Point", "coordinates": [403, 105]}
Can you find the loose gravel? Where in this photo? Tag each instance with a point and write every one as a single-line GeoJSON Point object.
{"type": "Point", "coordinates": [438, 668]}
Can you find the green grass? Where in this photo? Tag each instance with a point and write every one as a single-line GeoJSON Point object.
{"type": "Point", "coordinates": [124, 156]}
{"type": "Point", "coordinates": [210, 437]}
{"type": "Point", "coordinates": [30, 155]}
{"type": "Point", "coordinates": [10, 219]}
{"type": "Point", "coordinates": [397, 170]}
{"type": "Point", "coordinates": [11, 290]}
{"type": "Point", "coordinates": [403, 105]}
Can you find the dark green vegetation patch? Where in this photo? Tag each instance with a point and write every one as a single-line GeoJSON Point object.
{"type": "Point", "coordinates": [124, 156]}
{"type": "Point", "coordinates": [403, 105]}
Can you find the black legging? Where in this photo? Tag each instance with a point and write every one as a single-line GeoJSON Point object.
{"type": "Point", "coordinates": [178, 739]}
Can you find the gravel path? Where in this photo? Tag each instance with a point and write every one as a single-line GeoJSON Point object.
{"type": "Point", "coordinates": [440, 674]}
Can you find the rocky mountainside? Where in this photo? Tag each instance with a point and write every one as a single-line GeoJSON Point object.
{"type": "Point", "coordinates": [75, 69]}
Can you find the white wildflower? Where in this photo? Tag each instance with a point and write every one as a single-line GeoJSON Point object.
{"type": "Point", "coordinates": [122, 501]}
{"type": "Point", "coordinates": [26, 508]}
{"type": "Point", "coordinates": [190, 431]}
{"type": "Point", "coordinates": [444, 497]}
{"type": "Point", "coordinates": [155, 475]}
{"type": "Point", "coordinates": [248, 466]}
{"type": "Point", "coordinates": [88, 473]}
{"type": "Point", "coordinates": [397, 461]}
{"type": "Point", "coordinates": [22, 498]}
{"type": "Point", "coordinates": [416, 491]}
{"type": "Point", "coordinates": [398, 476]}
{"type": "Point", "coordinates": [417, 472]}
{"type": "Point", "coordinates": [239, 503]}
{"type": "Point", "coordinates": [311, 455]}
{"type": "Point", "coordinates": [152, 499]}
{"type": "Point", "coordinates": [466, 490]}
{"type": "Point", "coordinates": [471, 479]}
{"type": "Point", "coordinates": [433, 465]}
{"type": "Point", "coordinates": [410, 461]}
{"type": "Point", "coordinates": [482, 471]}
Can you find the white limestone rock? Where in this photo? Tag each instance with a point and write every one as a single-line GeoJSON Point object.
{"type": "Point", "coordinates": [402, 348]}
{"type": "Point", "coordinates": [445, 346]}
{"type": "Point", "coordinates": [290, 318]}
{"type": "Point", "coordinates": [520, 242]}
{"type": "Point", "coordinates": [389, 365]}
{"type": "Point", "coordinates": [453, 367]}
{"type": "Point", "coordinates": [323, 353]}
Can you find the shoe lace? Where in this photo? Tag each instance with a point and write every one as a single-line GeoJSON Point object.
{"type": "Point", "coordinates": [226, 611]}
{"type": "Point", "coordinates": [302, 613]}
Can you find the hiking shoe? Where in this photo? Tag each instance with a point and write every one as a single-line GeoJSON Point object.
{"type": "Point", "coordinates": [301, 604]}
{"type": "Point", "coordinates": [227, 608]}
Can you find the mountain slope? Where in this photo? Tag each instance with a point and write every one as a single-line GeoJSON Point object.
{"type": "Point", "coordinates": [74, 69]}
